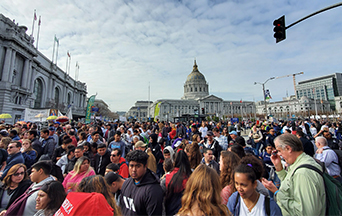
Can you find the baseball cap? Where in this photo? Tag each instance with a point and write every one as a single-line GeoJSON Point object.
{"type": "Point", "coordinates": [52, 129]}
{"type": "Point", "coordinates": [233, 132]}
{"type": "Point", "coordinates": [140, 144]}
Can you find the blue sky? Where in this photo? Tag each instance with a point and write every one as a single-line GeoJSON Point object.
{"type": "Point", "coordinates": [122, 46]}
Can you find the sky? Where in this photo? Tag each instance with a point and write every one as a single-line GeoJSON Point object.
{"type": "Point", "coordinates": [125, 46]}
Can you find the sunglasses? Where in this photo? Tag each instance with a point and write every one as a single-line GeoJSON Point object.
{"type": "Point", "coordinates": [10, 147]}
{"type": "Point", "coordinates": [17, 174]}
{"type": "Point", "coordinates": [113, 155]}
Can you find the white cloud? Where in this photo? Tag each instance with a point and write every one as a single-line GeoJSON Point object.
{"type": "Point", "coordinates": [121, 46]}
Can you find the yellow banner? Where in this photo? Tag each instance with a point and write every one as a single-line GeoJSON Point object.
{"type": "Point", "coordinates": [156, 111]}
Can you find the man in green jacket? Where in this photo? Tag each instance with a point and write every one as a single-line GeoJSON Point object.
{"type": "Point", "coordinates": [302, 193]}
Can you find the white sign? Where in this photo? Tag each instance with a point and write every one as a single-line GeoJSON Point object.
{"type": "Point", "coordinates": [35, 115]}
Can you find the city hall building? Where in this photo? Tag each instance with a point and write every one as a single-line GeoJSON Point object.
{"type": "Point", "coordinates": [28, 79]}
{"type": "Point", "coordinates": [195, 103]}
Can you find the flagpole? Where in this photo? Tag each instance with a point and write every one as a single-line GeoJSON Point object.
{"type": "Point", "coordinates": [66, 66]}
{"type": "Point", "coordinates": [34, 19]}
{"type": "Point", "coordinates": [39, 22]}
{"type": "Point", "coordinates": [53, 50]}
{"type": "Point", "coordinates": [69, 64]}
{"type": "Point", "coordinates": [57, 51]}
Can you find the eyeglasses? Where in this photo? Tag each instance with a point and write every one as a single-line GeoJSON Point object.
{"type": "Point", "coordinates": [17, 174]}
{"type": "Point", "coordinates": [113, 155]}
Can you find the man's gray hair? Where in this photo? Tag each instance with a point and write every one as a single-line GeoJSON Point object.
{"type": "Point", "coordinates": [322, 140]}
{"type": "Point", "coordinates": [289, 140]}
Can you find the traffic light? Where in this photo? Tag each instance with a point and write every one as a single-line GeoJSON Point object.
{"type": "Point", "coordinates": [279, 29]}
{"type": "Point", "coordinates": [203, 111]}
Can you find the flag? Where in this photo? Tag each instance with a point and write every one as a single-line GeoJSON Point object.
{"type": "Point", "coordinates": [90, 104]}
{"type": "Point", "coordinates": [69, 112]}
{"type": "Point", "coordinates": [56, 40]}
{"type": "Point", "coordinates": [39, 22]}
{"type": "Point", "coordinates": [35, 16]}
{"type": "Point", "coordinates": [156, 111]}
{"type": "Point", "coordinates": [68, 54]}
{"type": "Point", "coordinates": [241, 100]}
{"type": "Point", "coordinates": [267, 94]}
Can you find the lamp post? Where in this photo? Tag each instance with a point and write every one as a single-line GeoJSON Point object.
{"type": "Point", "coordinates": [263, 91]}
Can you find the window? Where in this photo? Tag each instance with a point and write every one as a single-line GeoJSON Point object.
{"type": "Point", "coordinates": [38, 92]}
{"type": "Point", "coordinates": [195, 89]}
{"type": "Point", "coordinates": [69, 98]}
{"type": "Point", "coordinates": [56, 97]}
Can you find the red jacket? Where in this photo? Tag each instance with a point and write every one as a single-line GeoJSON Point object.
{"type": "Point", "coordinates": [123, 171]}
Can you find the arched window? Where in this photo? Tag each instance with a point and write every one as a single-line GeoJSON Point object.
{"type": "Point", "coordinates": [38, 92]}
{"type": "Point", "coordinates": [56, 97]}
{"type": "Point", "coordinates": [191, 89]}
{"type": "Point", "coordinates": [69, 98]}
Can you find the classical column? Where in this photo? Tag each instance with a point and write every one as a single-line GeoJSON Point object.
{"type": "Point", "coordinates": [7, 65]}
{"type": "Point", "coordinates": [24, 78]}
{"type": "Point", "coordinates": [14, 53]}
{"type": "Point", "coordinates": [29, 76]}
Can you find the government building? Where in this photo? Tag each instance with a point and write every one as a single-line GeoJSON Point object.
{"type": "Point", "coordinates": [195, 104]}
{"type": "Point", "coordinates": [28, 79]}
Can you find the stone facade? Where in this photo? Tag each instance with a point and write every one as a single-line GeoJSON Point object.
{"type": "Point", "coordinates": [30, 80]}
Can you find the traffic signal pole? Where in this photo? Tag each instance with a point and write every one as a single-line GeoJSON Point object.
{"type": "Point", "coordinates": [315, 13]}
{"type": "Point", "coordinates": [280, 28]}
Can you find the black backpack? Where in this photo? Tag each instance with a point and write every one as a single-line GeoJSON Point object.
{"type": "Point", "coordinates": [339, 156]}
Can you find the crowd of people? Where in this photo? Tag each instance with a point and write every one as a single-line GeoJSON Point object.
{"type": "Point", "coordinates": [164, 168]}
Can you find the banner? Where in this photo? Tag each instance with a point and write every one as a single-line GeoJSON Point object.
{"type": "Point", "coordinates": [36, 115]}
{"type": "Point", "coordinates": [267, 94]}
{"type": "Point", "coordinates": [90, 104]}
{"type": "Point", "coordinates": [69, 112]}
{"type": "Point", "coordinates": [156, 111]}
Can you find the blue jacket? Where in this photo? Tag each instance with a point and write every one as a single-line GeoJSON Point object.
{"type": "Point", "coordinates": [235, 209]}
{"type": "Point", "coordinates": [48, 146]}
{"type": "Point", "coordinates": [11, 161]}
{"type": "Point", "coordinates": [30, 158]}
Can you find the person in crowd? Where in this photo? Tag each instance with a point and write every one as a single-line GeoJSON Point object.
{"type": "Point", "coordinates": [95, 138]}
{"type": "Point", "coordinates": [115, 182]}
{"type": "Point", "coordinates": [14, 135]}
{"type": "Point", "coordinates": [203, 129]}
{"type": "Point", "coordinates": [247, 200]}
{"type": "Point", "coordinates": [81, 170]}
{"type": "Point", "coordinates": [256, 136]}
{"type": "Point", "coordinates": [168, 152]}
{"type": "Point", "coordinates": [61, 150]}
{"type": "Point", "coordinates": [141, 193]}
{"type": "Point", "coordinates": [14, 157]}
{"type": "Point", "coordinates": [98, 184]}
{"type": "Point", "coordinates": [270, 137]}
{"type": "Point", "coordinates": [173, 132]}
{"type": "Point", "coordinates": [52, 133]}
{"type": "Point", "coordinates": [194, 155]}
{"type": "Point", "coordinates": [209, 161]}
{"type": "Point", "coordinates": [151, 161]}
{"type": "Point", "coordinates": [14, 185]}
{"type": "Point", "coordinates": [71, 163]}
{"type": "Point", "coordinates": [112, 167]}
{"type": "Point", "coordinates": [332, 142]}
{"type": "Point", "coordinates": [118, 143]}
{"type": "Point", "coordinates": [49, 198]}
{"type": "Point", "coordinates": [167, 166]}
{"type": "Point", "coordinates": [232, 137]}
{"type": "Point", "coordinates": [211, 143]}
{"type": "Point", "coordinates": [102, 159]}
{"type": "Point", "coordinates": [202, 194]}
{"type": "Point", "coordinates": [82, 138]}
{"type": "Point", "coordinates": [64, 160]}
{"type": "Point", "coordinates": [228, 161]}
{"type": "Point", "coordinates": [36, 144]}
{"type": "Point", "coordinates": [174, 183]}
{"type": "Point", "coordinates": [116, 158]}
{"type": "Point", "coordinates": [330, 159]}
{"type": "Point", "coordinates": [238, 149]}
{"type": "Point", "coordinates": [222, 140]}
{"type": "Point", "coordinates": [40, 174]}
{"type": "Point", "coordinates": [307, 144]}
{"type": "Point", "coordinates": [29, 154]}
{"type": "Point", "coordinates": [296, 187]}
{"type": "Point", "coordinates": [48, 143]}
{"type": "Point", "coordinates": [157, 153]}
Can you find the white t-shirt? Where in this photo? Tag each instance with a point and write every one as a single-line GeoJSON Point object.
{"type": "Point", "coordinates": [204, 131]}
{"type": "Point", "coordinates": [258, 209]}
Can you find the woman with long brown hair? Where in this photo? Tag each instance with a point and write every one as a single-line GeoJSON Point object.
{"type": "Point", "coordinates": [228, 161]}
{"type": "Point", "coordinates": [14, 185]}
{"type": "Point", "coordinates": [194, 155]}
{"type": "Point", "coordinates": [202, 194]}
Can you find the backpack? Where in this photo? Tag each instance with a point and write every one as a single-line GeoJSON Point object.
{"type": "Point", "coordinates": [267, 204]}
{"type": "Point", "coordinates": [333, 191]}
{"type": "Point", "coordinates": [18, 206]}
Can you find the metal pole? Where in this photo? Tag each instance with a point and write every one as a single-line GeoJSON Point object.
{"type": "Point", "coordinates": [263, 93]}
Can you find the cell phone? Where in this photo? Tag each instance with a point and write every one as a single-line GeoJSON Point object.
{"type": "Point", "coordinates": [275, 152]}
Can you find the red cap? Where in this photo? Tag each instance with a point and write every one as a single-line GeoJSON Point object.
{"type": "Point", "coordinates": [79, 203]}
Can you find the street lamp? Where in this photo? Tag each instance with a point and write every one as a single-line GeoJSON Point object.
{"type": "Point", "coordinates": [263, 91]}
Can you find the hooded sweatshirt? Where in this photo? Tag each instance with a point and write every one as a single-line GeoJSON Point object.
{"type": "Point", "coordinates": [171, 151]}
{"type": "Point", "coordinates": [145, 198]}
{"type": "Point", "coordinates": [30, 207]}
